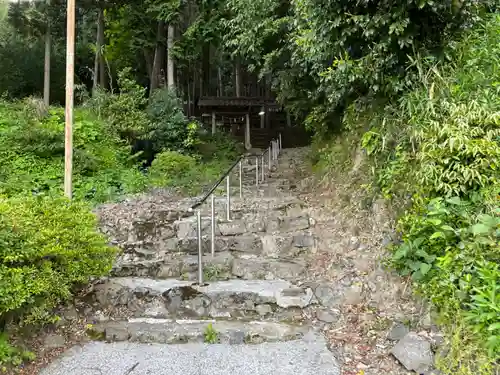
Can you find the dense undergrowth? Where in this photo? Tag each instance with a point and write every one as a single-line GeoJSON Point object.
{"type": "Point", "coordinates": [49, 245]}
{"type": "Point", "coordinates": [435, 153]}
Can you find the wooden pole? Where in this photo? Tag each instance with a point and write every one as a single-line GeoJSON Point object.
{"type": "Point", "coordinates": [70, 71]}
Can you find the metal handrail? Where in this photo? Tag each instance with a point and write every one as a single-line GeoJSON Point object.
{"type": "Point", "coordinates": [273, 151]}
{"type": "Point", "coordinates": [217, 184]}
{"type": "Point", "coordinates": [228, 172]}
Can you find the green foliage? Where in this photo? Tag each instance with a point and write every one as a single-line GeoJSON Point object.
{"type": "Point", "coordinates": [32, 156]}
{"type": "Point", "coordinates": [434, 151]}
{"type": "Point", "coordinates": [169, 166]}
{"type": "Point", "coordinates": [10, 355]}
{"type": "Point", "coordinates": [217, 146]}
{"type": "Point", "coordinates": [439, 143]}
{"type": "Point", "coordinates": [188, 174]}
{"type": "Point", "coordinates": [123, 111]}
{"type": "Point", "coordinates": [211, 335]}
{"type": "Point", "coordinates": [452, 251]}
{"type": "Point", "coordinates": [169, 128]}
{"type": "Point", "coordinates": [47, 245]}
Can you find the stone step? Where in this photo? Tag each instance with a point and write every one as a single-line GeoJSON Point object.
{"type": "Point", "coordinates": [169, 331]}
{"type": "Point", "coordinates": [305, 356]}
{"type": "Point", "coordinates": [141, 220]}
{"type": "Point", "coordinates": [277, 246]}
{"type": "Point", "coordinates": [222, 266]}
{"type": "Point", "coordinates": [172, 298]}
{"type": "Point", "coordinates": [254, 204]}
{"type": "Point", "coordinates": [246, 224]}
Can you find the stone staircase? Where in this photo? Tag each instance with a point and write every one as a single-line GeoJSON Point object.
{"type": "Point", "coordinates": [253, 313]}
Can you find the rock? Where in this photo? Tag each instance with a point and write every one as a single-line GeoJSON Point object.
{"type": "Point", "coordinates": [274, 246]}
{"type": "Point", "coordinates": [328, 296]}
{"type": "Point", "coordinates": [54, 341]}
{"type": "Point", "coordinates": [294, 297]}
{"type": "Point", "coordinates": [263, 309]}
{"type": "Point", "coordinates": [236, 337]}
{"type": "Point", "coordinates": [326, 316]}
{"type": "Point", "coordinates": [233, 228]}
{"type": "Point", "coordinates": [437, 340]}
{"type": "Point", "coordinates": [398, 331]}
{"type": "Point", "coordinates": [353, 295]}
{"type": "Point", "coordinates": [414, 353]}
{"type": "Point", "coordinates": [258, 268]}
{"type": "Point", "coordinates": [289, 224]}
{"type": "Point", "coordinates": [362, 265]}
{"type": "Point", "coordinates": [70, 313]}
{"type": "Point", "coordinates": [303, 240]}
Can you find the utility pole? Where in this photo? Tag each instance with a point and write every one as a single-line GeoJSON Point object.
{"type": "Point", "coordinates": [70, 74]}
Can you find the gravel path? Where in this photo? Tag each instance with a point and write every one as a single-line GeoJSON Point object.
{"type": "Point", "coordinates": [284, 358]}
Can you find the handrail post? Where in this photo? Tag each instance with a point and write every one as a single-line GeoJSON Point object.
{"type": "Point", "coordinates": [200, 253]}
{"type": "Point", "coordinates": [269, 156]}
{"type": "Point", "coordinates": [241, 179]}
{"type": "Point", "coordinates": [212, 231]}
{"type": "Point", "coordinates": [281, 144]}
{"type": "Point", "coordinates": [228, 198]}
{"type": "Point", "coordinates": [256, 171]}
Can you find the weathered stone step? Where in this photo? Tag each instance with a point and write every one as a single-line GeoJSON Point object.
{"type": "Point", "coordinates": [142, 297]}
{"type": "Point", "coordinates": [278, 246]}
{"type": "Point", "coordinates": [144, 221]}
{"type": "Point", "coordinates": [222, 266]}
{"type": "Point", "coordinates": [168, 331]}
{"type": "Point", "coordinates": [252, 203]}
{"type": "Point", "coordinates": [246, 224]}
{"type": "Point", "coordinates": [305, 356]}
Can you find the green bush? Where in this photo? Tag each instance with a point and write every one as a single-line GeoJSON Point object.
{"type": "Point", "coordinates": [190, 175]}
{"type": "Point", "coordinates": [447, 137]}
{"type": "Point", "coordinates": [32, 155]}
{"type": "Point", "coordinates": [170, 166]}
{"type": "Point", "coordinates": [47, 246]}
{"type": "Point", "coordinates": [218, 146]}
{"type": "Point", "coordinates": [170, 129]}
{"type": "Point", "coordinates": [123, 111]}
{"type": "Point", "coordinates": [435, 153]}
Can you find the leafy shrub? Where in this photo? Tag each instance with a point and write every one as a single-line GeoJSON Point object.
{"type": "Point", "coordinates": [189, 174]}
{"type": "Point", "coordinates": [123, 111]}
{"type": "Point", "coordinates": [47, 245]}
{"type": "Point", "coordinates": [437, 147]}
{"type": "Point", "coordinates": [170, 129]}
{"type": "Point", "coordinates": [218, 146]}
{"type": "Point", "coordinates": [32, 156]}
{"type": "Point", "coordinates": [169, 166]}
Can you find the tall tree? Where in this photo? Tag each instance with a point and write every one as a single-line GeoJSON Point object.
{"type": "Point", "coordinates": [46, 68]}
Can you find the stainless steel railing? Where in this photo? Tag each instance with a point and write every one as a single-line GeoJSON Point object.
{"type": "Point", "coordinates": [271, 154]}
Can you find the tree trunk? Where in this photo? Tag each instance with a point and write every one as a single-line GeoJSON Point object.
{"type": "Point", "coordinates": [237, 76]}
{"type": "Point", "coordinates": [219, 81]}
{"type": "Point", "coordinates": [148, 58]}
{"type": "Point", "coordinates": [170, 58]}
{"type": "Point", "coordinates": [99, 47]}
{"type": "Point", "coordinates": [205, 70]}
{"type": "Point", "coordinates": [46, 68]}
{"type": "Point", "coordinates": [159, 57]}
